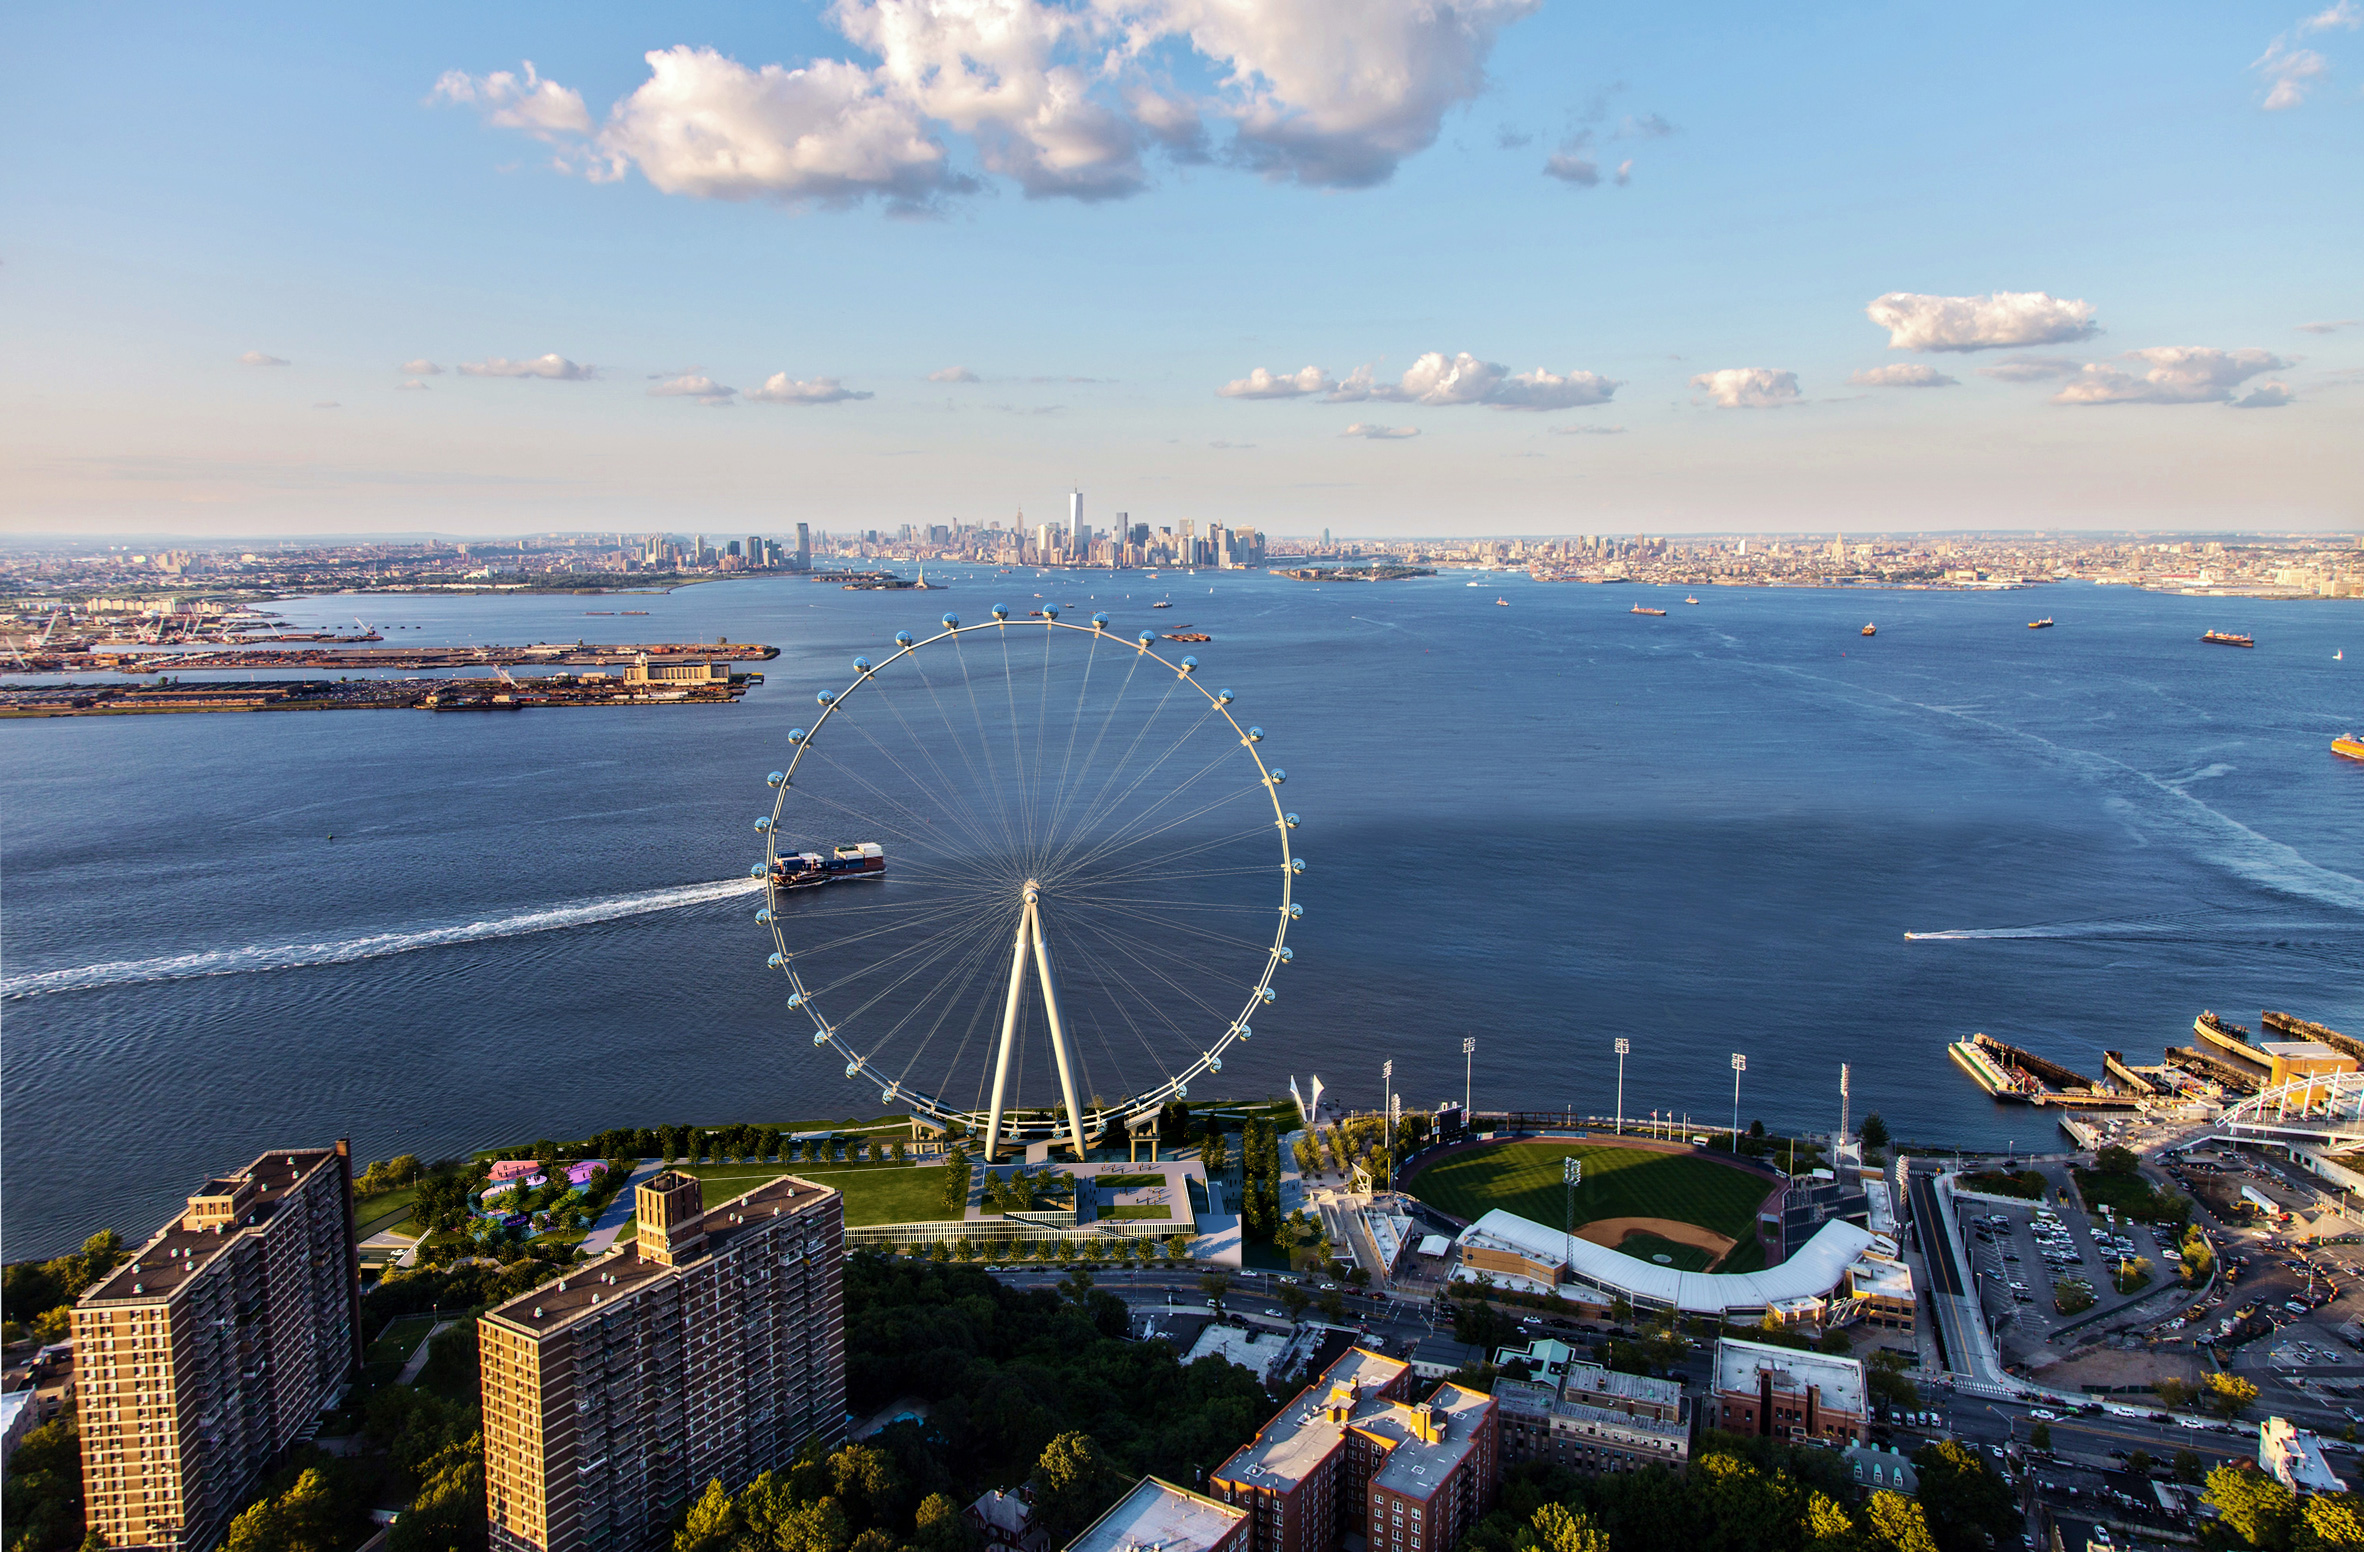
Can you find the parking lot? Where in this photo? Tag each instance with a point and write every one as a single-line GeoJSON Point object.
{"type": "Point", "coordinates": [2019, 1252]}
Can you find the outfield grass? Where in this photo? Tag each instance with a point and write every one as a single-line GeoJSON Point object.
{"type": "Point", "coordinates": [874, 1193]}
{"type": "Point", "coordinates": [1524, 1178]}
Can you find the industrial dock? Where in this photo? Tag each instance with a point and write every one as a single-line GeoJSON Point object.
{"type": "Point", "coordinates": [641, 684]}
{"type": "Point", "coordinates": [2222, 1065]}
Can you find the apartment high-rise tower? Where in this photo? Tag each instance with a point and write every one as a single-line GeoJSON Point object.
{"type": "Point", "coordinates": [212, 1347]}
{"type": "Point", "coordinates": [711, 1347]}
{"type": "Point", "coordinates": [804, 547]}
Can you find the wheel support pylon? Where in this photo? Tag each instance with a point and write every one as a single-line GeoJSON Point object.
{"type": "Point", "coordinates": [1030, 936]}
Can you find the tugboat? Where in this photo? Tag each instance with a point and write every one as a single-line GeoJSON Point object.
{"type": "Point", "coordinates": [2043, 624]}
{"type": "Point", "coordinates": [1690, 600]}
{"type": "Point", "coordinates": [1161, 604]}
{"type": "Point", "coordinates": [1870, 629]}
{"type": "Point", "coordinates": [2227, 639]}
{"type": "Point", "coordinates": [811, 869]}
{"type": "Point", "coordinates": [2352, 746]}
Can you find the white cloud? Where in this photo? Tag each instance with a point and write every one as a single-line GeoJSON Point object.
{"type": "Point", "coordinates": [2290, 71]}
{"type": "Point", "coordinates": [257, 358]}
{"type": "Point", "coordinates": [1261, 384]}
{"type": "Point", "coordinates": [421, 368]}
{"type": "Point", "coordinates": [1061, 99]}
{"type": "Point", "coordinates": [829, 134]}
{"type": "Point", "coordinates": [2265, 396]}
{"type": "Point", "coordinates": [694, 385]}
{"type": "Point", "coordinates": [1625, 172]}
{"type": "Point", "coordinates": [411, 386]}
{"type": "Point", "coordinates": [1434, 379]}
{"type": "Point", "coordinates": [1375, 433]}
{"type": "Point", "coordinates": [326, 404]}
{"type": "Point", "coordinates": [2031, 369]}
{"type": "Point", "coordinates": [1573, 166]}
{"type": "Point", "coordinates": [780, 388]}
{"type": "Point", "coordinates": [1903, 374]}
{"type": "Point", "coordinates": [2178, 374]}
{"type": "Point", "coordinates": [543, 109]}
{"type": "Point", "coordinates": [1748, 387]}
{"type": "Point", "coordinates": [953, 374]}
{"type": "Point", "coordinates": [554, 367]}
{"type": "Point", "coordinates": [1933, 323]}
{"type": "Point", "coordinates": [1644, 126]}
{"type": "Point", "coordinates": [1332, 93]}
{"type": "Point", "coordinates": [2290, 74]}
{"type": "Point", "coordinates": [1588, 431]}
{"type": "Point", "coordinates": [2329, 325]}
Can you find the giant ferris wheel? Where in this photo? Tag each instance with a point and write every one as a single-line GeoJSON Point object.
{"type": "Point", "coordinates": [1028, 875]}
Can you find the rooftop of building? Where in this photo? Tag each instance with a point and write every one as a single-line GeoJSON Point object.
{"type": "Point", "coordinates": [1287, 1449]}
{"type": "Point", "coordinates": [2295, 1457]}
{"type": "Point", "coordinates": [562, 1301]}
{"type": "Point", "coordinates": [1253, 1350]}
{"type": "Point", "coordinates": [1882, 1277]}
{"type": "Point", "coordinates": [1157, 1516]}
{"type": "Point", "coordinates": [176, 1254]}
{"type": "Point", "coordinates": [1840, 1379]}
{"type": "Point", "coordinates": [1542, 1401]}
{"type": "Point", "coordinates": [1416, 1467]}
{"type": "Point", "coordinates": [2302, 1051]}
{"type": "Point", "coordinates": [1589, 1382]}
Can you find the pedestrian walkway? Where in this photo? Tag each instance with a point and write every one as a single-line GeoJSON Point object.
{"type": "Point", "coordinates": [602, 1237]}
{"type": "Point", "coordinates": [418, 1358]}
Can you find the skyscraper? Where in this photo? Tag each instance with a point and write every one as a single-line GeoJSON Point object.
{"type": "Point", "coordinates": [214, 1346]}
{"type": "Point", "coordinates": [710, 1348]}
{"type": "Point", "coordinates": [804, 548]}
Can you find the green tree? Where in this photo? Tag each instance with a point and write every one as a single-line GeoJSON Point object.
{"type": "Point", "coordinates": [714, 1522]}
{"type": "Point", "coordinates": [448, 1514]}
{"type": "Point", "coordinates": [1073, 1483]}
{"type": "Point", "coordinates": [1967, 1502]}
{"type": "Point", "coordinates": [43, 1507]}
{"type": "Point", "coordinates": [1873, 1131]}
{"type": "Point", "coordinates": [1215, 1285]}
{"type": "Point", "coordinates": [941, 1527]}
{"type": "Point", "coordinates": [2253, 1506]}
{"type": "Point", "coordinates": [2040, 1437]}
{"type": "Point", "coordinates": [1827, 1526]}
{"type": "Point", "coordinates": [1559, 1529]}
{"type": "Point", "coordinates": [2329, 1520]}
{"type": "Point", "coordinates": [2189, 1467]}
{"type": "Point", "coordinates": [955, 1173]}
{"type": "Point", "coordinates": [1293, 1301]}
{"type": "Point", "coordinates": [1214, 1153]}
{"type": "Point", "coordinates": [2231, 1395]}
{"type": "Point", "coordinates": [1895, 1521]}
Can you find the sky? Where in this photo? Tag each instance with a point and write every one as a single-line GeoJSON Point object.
{"type": "Point", "coordinates": [1390, 267]}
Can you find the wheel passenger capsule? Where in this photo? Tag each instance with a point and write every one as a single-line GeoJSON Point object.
{"type": "Point", "coordinates": [763, 918]}
{"type": "Point", "coordinates": [776, 778]}
{"type": "Point", "coordinates": [861, 665]}
{"type": "Point", "coordinates": [1290, 820]}
{"type": "Point", "coordinates": [763, 824]}
{"type": "Point", "coordinates": [1224, 696]}
{"type": "Point", "coordinates": [795, 999]}
{"type": "Point", "coordinates": [820, 1038]}
{"type": "Point", "coordinates": [827, 697]}
{"type": "Point", "coordinates": [1268, 994]}
{"type": "Point", "coordinates": [1189, 664]}
{"type": "Point", "coordinates": [952, 622]}
{"type": "Point", "coordinates": [795, 736]}
{"type": "Point", "coordinates": [1296, 911]}
{"type": "Point", "coordinates": [1099, 622]}
{"type": "Point", "coordinates": [774, 963]}
{"type": "Point", "coordinates": [1296, 864]}
{"type": "Point", "coordinates": [1255, 735]}
{"type": "Point", "coordinates": [757, 871]}
{"type": "Point", "coordinates": [1001, 611]}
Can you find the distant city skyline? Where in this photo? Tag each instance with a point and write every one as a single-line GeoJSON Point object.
{"type": "Point", "coordinates": [1508, 268]}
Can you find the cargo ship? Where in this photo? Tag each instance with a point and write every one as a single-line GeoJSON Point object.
{"type": "Point", "coordinates": [1870, 629]}
{"type": "Point", "coordinates": [2352, 746]}
{"type": "Point", "coordinates": [2227, 639]}
{"type": "Point", "coordinates": [1638, 609]}
{"type": "Point", "coordinates": [810, 869]}
{"type": "Point", "coordinates": [2043, 624]}
{"type": "Point", "coordinates": [2022, 1077]}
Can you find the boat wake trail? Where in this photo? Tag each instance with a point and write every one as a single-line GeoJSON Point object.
{"type": "Point", "coordinates": [2183, 927]}
{"type": "Point", "coordinates": [292, 956]}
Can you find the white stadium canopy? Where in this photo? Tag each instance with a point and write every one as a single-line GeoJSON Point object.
{"type": "Point", "coordinates": [1817, 1269]}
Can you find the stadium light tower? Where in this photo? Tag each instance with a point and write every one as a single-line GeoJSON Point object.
{"type": "Point", "coordinates": [1624, 1049]}
{"type": "Point", "coordinates": [1739, 1066]}
{"type": "Point", "coordinates": [1571, 1176]}
{"type": "Point", "coordinates": [1468, 1052]}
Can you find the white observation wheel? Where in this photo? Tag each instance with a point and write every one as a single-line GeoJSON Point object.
{"type": "Point", "coordinates": [1029, 876]}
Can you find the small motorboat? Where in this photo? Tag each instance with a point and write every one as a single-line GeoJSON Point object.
{"type": "Point", "coordinates": [1504, 602]}
{"type": "Point", "coordinates": [1690, 600]}
{"type": "Point", "coordinates": [1870, 629]}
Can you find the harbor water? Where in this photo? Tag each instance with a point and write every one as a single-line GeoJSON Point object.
{"type": "Point", "coordinates": [1546, 825]}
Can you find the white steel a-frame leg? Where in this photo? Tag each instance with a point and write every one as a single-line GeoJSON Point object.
{"type": "Point", "coordinates": [1030, 932]}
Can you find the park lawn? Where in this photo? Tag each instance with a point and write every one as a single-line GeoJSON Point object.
{"type": "Point", "coordinates": [399, 1340]}
{"type": "Point", "coordinates": [1142, 1210]}
{"type": "Point", "coordinates": [385, 1210]}
{"type": "Point", "coordinates": [874, 1193]}
{"type": "Point", "coordinates": [1524, 1178]}
{"type": "Point", "coordinates": [1127, 1182]}
{"type": "Point", "coordinates": [1649, 1247]}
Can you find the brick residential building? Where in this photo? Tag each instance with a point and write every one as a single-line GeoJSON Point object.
{"type": "Point", "coordinates": [214, 1346]}
{"type": "Point", "coordinates": [1595, 1420]}
{"type": "Point", "coordinates": [1783, 1393]}
{"type": "Point", "coordinates": [1352, 1453]}
{"type": "Point", "coordinates": [712, 1347]}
